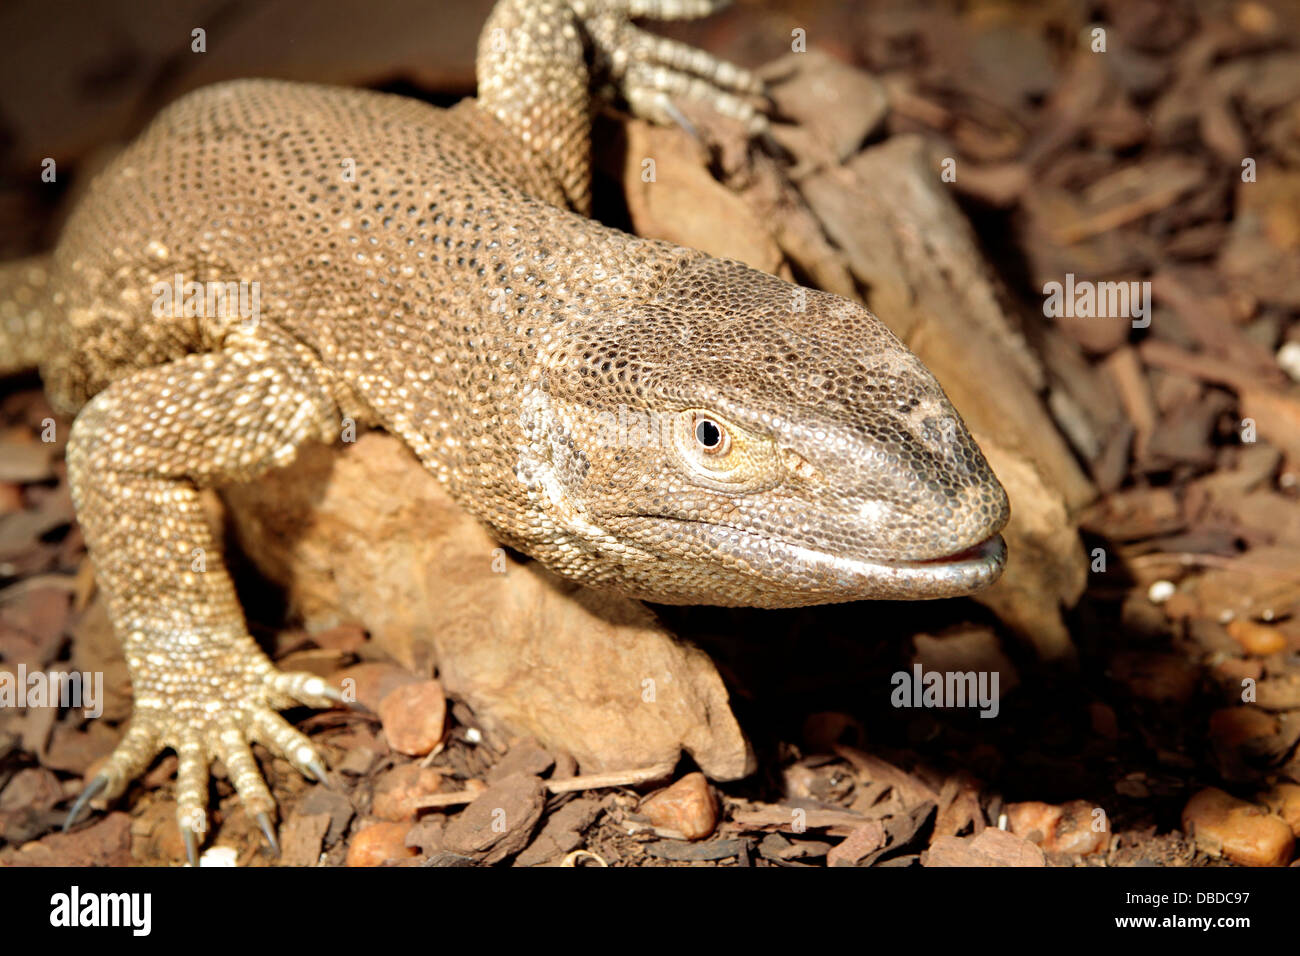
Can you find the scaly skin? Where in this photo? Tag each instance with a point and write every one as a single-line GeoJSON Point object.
{"type": "Point", "coordinates": [636, 415]}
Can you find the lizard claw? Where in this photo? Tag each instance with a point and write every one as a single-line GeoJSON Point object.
{"type": "Point", "coordinates": [92, 789]}
{"type": "Point", "coordinates": [317, 770]}
{"type": "Point", "coordinates": [191, 846]}
{"type": "Point", "coordinates": [268, 831]}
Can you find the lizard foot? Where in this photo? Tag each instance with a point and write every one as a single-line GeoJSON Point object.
{"type": "Point", "coordinates": [207, 718]}
{"type": "Point", "coordinates": [650, 72]}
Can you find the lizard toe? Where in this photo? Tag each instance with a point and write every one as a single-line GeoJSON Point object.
{"type": "Point", "coordinates": [284, 740]}
{"type": "Point", "coordinates": [649, 71]}
{"type": "Point", "coordinates": [293, 688]}
{"type": "Point", "coordinates": [650, 93]}
{"type": "Point", "coordinates": [144, 740]}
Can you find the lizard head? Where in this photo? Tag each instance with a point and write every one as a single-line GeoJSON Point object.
{"type": "Point", "coordinates": [738, 440]}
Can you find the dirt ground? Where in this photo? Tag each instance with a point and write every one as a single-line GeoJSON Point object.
{"type": "Point", "coordinates": [1160, 727]}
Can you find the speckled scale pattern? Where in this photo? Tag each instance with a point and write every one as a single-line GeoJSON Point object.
{"type": "Point", "coordinates": [429, 272]}
{"type": "Point", "coordinates": [856, 450]}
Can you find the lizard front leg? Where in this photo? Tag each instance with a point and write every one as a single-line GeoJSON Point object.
{"type": "Point", "coordinates": [137, 456]}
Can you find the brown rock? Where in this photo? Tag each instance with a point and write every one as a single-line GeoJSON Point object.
{"type": "Point", "coordinates": [378, 843]}
{"type": "Point", "coordinates": [1284, 800]}
{"type": "Point", "coordinates": [499, 822]}
{"type": "Point", "coordinates": [364, 532]}
{"type": "Point", "coordinates": [414, 717]}
{"type": "Point", "coordinates": [1239, 734]}
{"type": "Point", "coordinates": [1046, 566]}
{"type": "Point", "coordinates": [1279, 693]}
{"type": "Point", "coordinates": [1245, 833]}
{"type": "Point", "coordinates": [687, 807]}
{"type": "Point", "coordinates": [1072, 828]}
{"type": "Point", "coordinates": [992, 847]}
{"type": "Point", "coordinates": [1255, 638]}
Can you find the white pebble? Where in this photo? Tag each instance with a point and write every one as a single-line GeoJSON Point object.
{"type": "Point", "coordinates": [219, 856]}
{"type": "Point", "coordinates": [1288, 357]}
{"type": "Point", "coordinates": [1161, 591]}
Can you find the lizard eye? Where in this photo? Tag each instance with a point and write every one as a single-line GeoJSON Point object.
{"type": "Point", "coordinates": [711, 436]}
{"type": "Point", "coordinates": [724, 455]}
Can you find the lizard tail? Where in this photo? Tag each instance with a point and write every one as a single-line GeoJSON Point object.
{"type": "Point", "coordinates": [24, 312]}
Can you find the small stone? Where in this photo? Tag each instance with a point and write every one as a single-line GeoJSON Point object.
{"type": "Point", "coordinates": [219, 856]}
{"type": "Point", "coordinates": [1245, 833]}
{"type": "Point", "coordinates": [378, 843]}
{"type": "Point", "coordinates": [1288, 359]}
{"type": "Point", "coordinates": [686, 807]}
{"type": "Point", "coordinates": [1072, 828]}
{"type": "Point", "coordinates": [414, 717]}
{"type": "Point", "coordinates": [1234, 728]}
{"type": "Point", "coordinates": [1284, 800]}
{"type": "Point", "coordinates": [399, 791]}
{"type": "Point", "coordinates": [1256, 639]}
{"type": "Point", "coordinates": [1161, 591]}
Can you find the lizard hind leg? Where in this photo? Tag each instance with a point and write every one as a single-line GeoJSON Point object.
{"type": "Point", "coordinates": [138, 455]}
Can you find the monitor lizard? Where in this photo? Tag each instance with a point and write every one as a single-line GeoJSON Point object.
{"type": "Point", "coordinates": [635, 415]}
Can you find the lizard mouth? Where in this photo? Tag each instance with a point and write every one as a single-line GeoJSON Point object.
{"type": "Point", "coordinates": [794, 574]}
{"type": "Point", "coordinates": [952, 575]}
